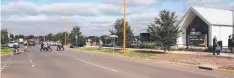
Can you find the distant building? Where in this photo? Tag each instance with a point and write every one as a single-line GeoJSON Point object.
{"type": "Point", "coordinates": [92, 41]}
{"type": "Point", "coordinates": [199, 26]}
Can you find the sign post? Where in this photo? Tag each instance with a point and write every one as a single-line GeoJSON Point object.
{"type": "Point", "coordinates": [76, 38]}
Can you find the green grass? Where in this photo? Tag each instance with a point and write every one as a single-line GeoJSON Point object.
{"type": "Point", "coordinates": [129, 52]}
{"type": "Point", "coordinates": [217, 56]}
{"type": "Point", "coordinates": [227, 67]}
{"type": "Point", "coordinates": [5, 50]}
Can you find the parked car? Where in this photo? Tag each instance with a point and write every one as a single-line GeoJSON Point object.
{"type": "Point", "coordinates": [12, 43]}
{"type": "Point", "coordinates": [80, 44]}
{"type": "Point", "coordinates": [31, 43]}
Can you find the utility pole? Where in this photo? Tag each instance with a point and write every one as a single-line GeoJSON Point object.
{"type": "Point", "coordinates": [65, 26]}
{"type": "Point", "coordinates": [124, 34]}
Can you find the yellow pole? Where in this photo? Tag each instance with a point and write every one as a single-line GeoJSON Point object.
{"type": "Point", "coordinates": [65, 23]}
{"type": "Point", "coordinates": [124, 29]}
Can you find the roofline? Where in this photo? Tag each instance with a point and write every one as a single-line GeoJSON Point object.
{"type": "Point", "coordinates": [183, 17]}
{"type": "Point", "coordinates": [199, 15]}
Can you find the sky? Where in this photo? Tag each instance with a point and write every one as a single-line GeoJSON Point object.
{"type": "Point", "coordinates": [94, 17]}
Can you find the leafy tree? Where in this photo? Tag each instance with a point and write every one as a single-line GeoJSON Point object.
{"type": "Point", "coordinates": [76, 32]}
{"type": "Point", "coordinates": [164, 29]}
{"type": "Point", "coordinates": [4, 36]}
{"type": "Point", "coordinates": [118, 31]}
{"type": "Point", "coordinates": [49, 37]}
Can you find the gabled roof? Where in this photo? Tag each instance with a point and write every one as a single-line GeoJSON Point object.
{"type": "Point", "coordinates": [214, 16]}
{"type": "Point", "coordinates": [211, 16]}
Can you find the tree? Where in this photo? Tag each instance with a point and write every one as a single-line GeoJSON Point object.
{"type": "Point", "coordinates": [4, 36]}
{"type": "Point", "coordinates": [76, 32]}
{"type": "Point", "coordinates": [164, 29]}
{"type": "Point", "coordinates": [49, 37]}
{"type": "Point", "coordinates": [118, 31]}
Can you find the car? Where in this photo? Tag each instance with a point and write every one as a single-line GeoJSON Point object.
{"type": "Point", "coordinates": [31, 43]}
{"type": "Point", "coordinates": [12, 43]}
{"type": "Point", "coordinates": [79, 44]}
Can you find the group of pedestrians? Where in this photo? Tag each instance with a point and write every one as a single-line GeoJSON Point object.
{"type": "Point", "coordinates": [45, 46]}
{"type": "Point", "coordinates": [16, 50]}
{"type": "Point", "coordinates": [217, 46]}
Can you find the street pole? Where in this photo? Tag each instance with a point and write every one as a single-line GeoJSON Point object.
{"type": "Point", "coordinates": [65, 25]}
{"type": "Point", "coordinates": [76, 39]}
{"type": "Point", "coordinates": [124, 37]}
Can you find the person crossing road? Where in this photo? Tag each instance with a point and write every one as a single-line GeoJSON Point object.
{"type": "Point", "coordinates": [25, 45]}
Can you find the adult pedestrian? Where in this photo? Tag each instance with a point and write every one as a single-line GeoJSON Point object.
{"type": "Point", "coordinates": [214, 45]}
{"type": "Point", "coordinates": [42, 46]}
{"type": "Point", "coordinates": [25, 45]}
{"type": "Point", "coordinates": [230, 43]}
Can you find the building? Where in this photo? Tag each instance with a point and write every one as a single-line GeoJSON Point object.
{"type": "Point", "coordinates": [200, 25]}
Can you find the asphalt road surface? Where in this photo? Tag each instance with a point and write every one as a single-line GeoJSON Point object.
{"type": "Point", "coordinates": [72, 64]}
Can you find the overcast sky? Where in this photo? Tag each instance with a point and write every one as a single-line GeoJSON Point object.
{"type": "Point", "coordinates": [95, 17]}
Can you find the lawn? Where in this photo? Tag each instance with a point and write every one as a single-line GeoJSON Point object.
{"type": "Point", "coordinates": [5, 50]}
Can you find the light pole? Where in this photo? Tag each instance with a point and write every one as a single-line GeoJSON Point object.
{"type": "Point", "coordinates": [124, 33]}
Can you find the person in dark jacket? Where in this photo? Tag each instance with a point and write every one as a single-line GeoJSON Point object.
{"type": "Point", "coordinates": [214, 45]}
{"type": "Point", "coordinates": [230, 43]}
{"type": "Point", "coordinates": [42, 46]}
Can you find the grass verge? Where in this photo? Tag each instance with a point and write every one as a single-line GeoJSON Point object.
{"type": "Point", "coordinates": [6, 50]}
{"type": "Point", "coordinates": [227, 68]}
{"type": "Point", "coordinates": [216, 56]}
{"type": "Point", "coordinates": [129, 52]}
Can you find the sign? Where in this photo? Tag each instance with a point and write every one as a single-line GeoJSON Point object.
{"type": "Point", "coordinates": [76, 36]}
{"type": "Point", "coordinates": [197, 40]}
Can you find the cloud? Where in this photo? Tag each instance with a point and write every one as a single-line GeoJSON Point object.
{"type": "Point", "coordinates": [131, 3]}
{"type": "Point", "coordinates": [85, 9]}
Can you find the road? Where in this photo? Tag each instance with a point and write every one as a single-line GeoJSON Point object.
{"type": "Point", "coordinates": [72, 64]}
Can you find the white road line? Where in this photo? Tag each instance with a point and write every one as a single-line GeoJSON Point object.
{"type": "Point", "coordinates": [2, 68]}
{"type": "Point", "coordinates": [30, 61]}
{"type": "Point", "coordinates": [95, 65]}
{"type": "Point", "coordinates": [33, 66]}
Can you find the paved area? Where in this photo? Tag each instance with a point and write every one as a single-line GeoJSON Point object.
{"type": "Point", "coordinates": [72, 64]}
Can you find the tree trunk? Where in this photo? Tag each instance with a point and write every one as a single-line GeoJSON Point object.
{"type": "Point", "coordinates": [164, 48]}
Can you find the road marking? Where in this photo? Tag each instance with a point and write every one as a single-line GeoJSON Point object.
{"type": "Point", "coordinates": [33, 66]}
{"type": "Point", "coordinates": [2, 68]}
{"type": "Point", "coordinates": [95, 65]}
{"type": "Point", "coordinates": [30, 61]}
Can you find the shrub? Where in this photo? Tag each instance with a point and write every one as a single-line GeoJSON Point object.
{"type": "Point", "coordinates": [173, 48]}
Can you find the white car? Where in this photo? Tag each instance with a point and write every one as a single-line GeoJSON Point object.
{"type": "Point", "coordinates": [12, 43]}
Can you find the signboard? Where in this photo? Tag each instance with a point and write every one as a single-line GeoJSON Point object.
{"type": "Point", "coordinates": [197, 40]}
